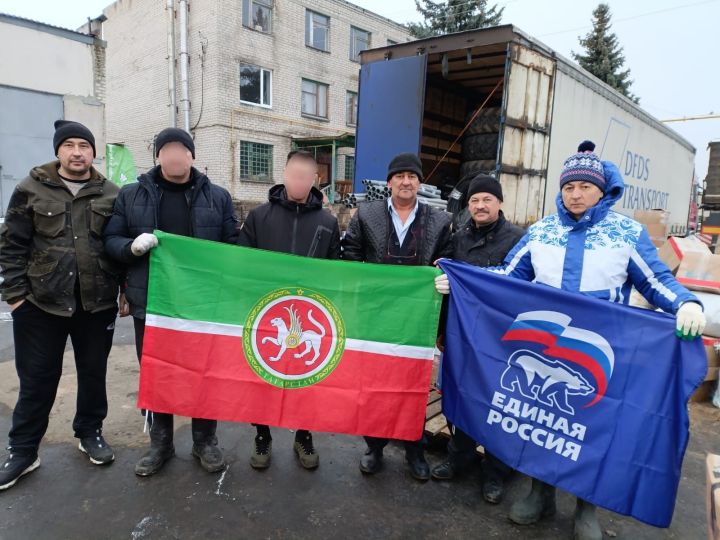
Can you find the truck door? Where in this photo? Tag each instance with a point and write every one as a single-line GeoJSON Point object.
{"type": "Point", "coordinates": [390, 110]}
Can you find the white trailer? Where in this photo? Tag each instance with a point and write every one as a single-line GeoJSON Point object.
{"type": "Point", "coordinates": [538, 106]}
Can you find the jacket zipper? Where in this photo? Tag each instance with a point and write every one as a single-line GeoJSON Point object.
{"type": "Point", "coordinates": [294, 230]}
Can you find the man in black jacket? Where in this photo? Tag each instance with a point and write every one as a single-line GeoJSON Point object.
{"type": "Point", "coordinates": [399, 230]}
{"type": "Point", "coordinates": [484, 240]}
{"type": "Point", "coordinates": [173, 197]}
{"type": "Point", "coordinates": [59, 283]}
{"type": "Point", "coordinates": [292, 221]}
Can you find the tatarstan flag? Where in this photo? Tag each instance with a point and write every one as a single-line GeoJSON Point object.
{"type": "Point", "coordinates": [247, 335]}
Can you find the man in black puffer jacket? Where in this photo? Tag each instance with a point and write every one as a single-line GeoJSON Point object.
{"type": "Point", "coordinates": [173, 197]}
{"type": "Point", "coordinates": [399, 230]}
{"type": "Point", "coordinates": [484, 240]}
{"type": "Point", "coordinates": [292, 221]}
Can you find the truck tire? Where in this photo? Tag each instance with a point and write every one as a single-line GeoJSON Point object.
{"type": "Point", "coordinates": [477, 166]}
{"type": "Point", "coordinates": [482, 146]}
{"type": "Point", "coordinates": [488, 121]}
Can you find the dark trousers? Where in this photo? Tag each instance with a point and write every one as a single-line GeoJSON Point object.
{"type": "Point", "coordinates": [40, 340]}
{"type": "Point", "coordinates": [161, 431]}
{"type": "Point", "coordinates": [461, 452]}
{"type": "Point", "coordinates": [412, 448]}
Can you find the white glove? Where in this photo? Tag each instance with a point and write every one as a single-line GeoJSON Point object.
{"type": "Point", "coordinates": [690, 320]}
{"type": "Point", "coordinates": [442, 285]}
{"type": "Point", "coordinates": [143, 243]}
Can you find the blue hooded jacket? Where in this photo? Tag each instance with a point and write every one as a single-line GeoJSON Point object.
{"type": "Point", "coordinates": [603, 254]}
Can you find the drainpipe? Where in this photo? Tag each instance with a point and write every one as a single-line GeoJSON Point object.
{"type": "Point", "coordinates": [172, 105]}
{"type": "Point", "coordinates": [184, 85]}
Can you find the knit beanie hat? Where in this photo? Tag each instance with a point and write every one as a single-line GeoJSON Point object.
{"type": "Point", "coordinates": [484, 183]}
{"type": "Point", "coordinates": [585, 166]}
{"type": "Point", "coordinates": [66, 129]}
{"type": "Point", "coordinates": [168, 135]}
{"type": "Point", "coordinates": [405, 162]}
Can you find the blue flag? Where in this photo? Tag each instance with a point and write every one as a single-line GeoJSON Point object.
{"type": "Point", "coordinates": [584, 394]}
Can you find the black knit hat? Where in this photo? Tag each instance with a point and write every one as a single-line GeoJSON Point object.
{"type": "Point", "coordinates": [168, 135]}
{"type": "Point", "coordinates": [484, 183]}
{"type": "Point", "coordinates": [66, 129]}
{"type": "Point", "coordinates": [405, 162]}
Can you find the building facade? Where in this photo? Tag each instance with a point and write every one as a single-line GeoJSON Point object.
{"type": "Point", "coordinates": [46, 73]}
{"type": "Point", "coordinates": [264, 76]}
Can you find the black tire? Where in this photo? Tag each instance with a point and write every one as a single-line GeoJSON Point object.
{"type": "Point", "coordinates": [487, 121]}
{"type": "Point", "coordinates": [482, 146]}
{"type": "Point", "coordinates": [475, 167]}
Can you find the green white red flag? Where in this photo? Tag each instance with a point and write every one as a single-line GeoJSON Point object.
{"type": "Point", "coordinates": [247, 335]}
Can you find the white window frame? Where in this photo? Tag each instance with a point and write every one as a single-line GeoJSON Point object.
{"type": "Point", "coordinates": [262, 86]}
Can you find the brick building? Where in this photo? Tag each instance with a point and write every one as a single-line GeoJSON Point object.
{"type": "Point", "coordinates": [264, 76]}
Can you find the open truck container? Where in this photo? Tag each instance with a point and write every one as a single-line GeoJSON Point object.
{"type": "Point", "coordinates": [418, 97]}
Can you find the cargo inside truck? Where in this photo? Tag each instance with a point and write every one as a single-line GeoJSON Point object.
{"type": "Point", "coordinates": [457, 85]}
{"type": "Point", "coordinates": [488, 90]}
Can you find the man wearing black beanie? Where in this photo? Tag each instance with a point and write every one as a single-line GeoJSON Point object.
{"type": "Point", "coordinates": [399, 230]}
{"type": "Point", "coordinates": [484, 240]}
{"type": "Point", "coordinates": [177, 198]}
{"type": "Point", "coordinates": [59, 283]}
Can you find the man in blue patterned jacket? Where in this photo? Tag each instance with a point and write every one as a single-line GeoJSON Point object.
{"type": "Point", "coordinates": [589, 249]}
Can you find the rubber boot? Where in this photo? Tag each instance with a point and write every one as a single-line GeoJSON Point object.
{"type": "Point", "coordinates": [540, 503]}
{"type": "Point", "coordinates": [586, 522]}
{"type": "Point", "coordinates": [161, 446]}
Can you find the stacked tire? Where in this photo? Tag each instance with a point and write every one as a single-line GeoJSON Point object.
{"type": "Point", "coordinates": [480, 143]}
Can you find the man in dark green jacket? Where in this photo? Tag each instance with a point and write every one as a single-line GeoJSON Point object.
{"type": "Point", "coordinates": [59, 283]}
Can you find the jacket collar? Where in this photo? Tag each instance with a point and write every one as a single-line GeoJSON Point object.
{"type": "Point", "coordinates": [48, 174]}
{"type": "Point", "coordinates": [278, 195]}
{"type": "Point", "coordinates": [149, 179]}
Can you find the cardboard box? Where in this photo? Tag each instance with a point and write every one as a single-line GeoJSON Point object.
{"type": "Point", "coordinates": [711, 306]}
{"type": "Point", "coordinates": [649, 217]}
{"type": "Point", "coordinates": [658, 233]}
{"type": "Point", "coordinates": [656, 222]}
{"type": "Point", "coordinates": [712, 470]}
{"type": "Point", "coordinates": [713, 357]}
{"type": "Point", "coordinates": [672, 251]}
{"type": "Point", "coordinates": [700, 272]}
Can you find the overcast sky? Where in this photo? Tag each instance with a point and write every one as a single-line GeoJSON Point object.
{"type": "Point", "coordinates": [672, 47]}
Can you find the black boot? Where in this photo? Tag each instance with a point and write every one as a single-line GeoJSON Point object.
{"type": "Point", "coordinates": [205, 445]}
{"type": "Point", "coordinates": [444, 471]}
{"type": "Point", "coordinates": [419, 468]}
{"type": "Point", "coordinates": [492, 489]}
{"type": "Point", "coordinates": [161, 446]}
{"type": "Point", "coordinates": [371, 462]}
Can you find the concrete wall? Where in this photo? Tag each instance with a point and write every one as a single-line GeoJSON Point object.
{"type": "Point", "coordinates": [46, 59]}
{"type": "Point", "coordinates": [137, 79]}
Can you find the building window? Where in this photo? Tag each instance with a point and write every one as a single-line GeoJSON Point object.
{"type": "Point", "coordinates": [256, 161]}
{"type": "Point", "coordinates": [391, 42]}
{"type": "Point", "coordinates": [255, 85]}
{"type": "Point", "coordinates": [257, 14]}
{"type": "Point", "coordinates": [359, 41]}
{"type": "Point", "coordinates": [314, 99]}
{"type": "Point", "coordinates": [351, 103]}
{"type": "Point", "coordinates": [349, 167]}
{"type": "Point", "coordinates": [317, 31]}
